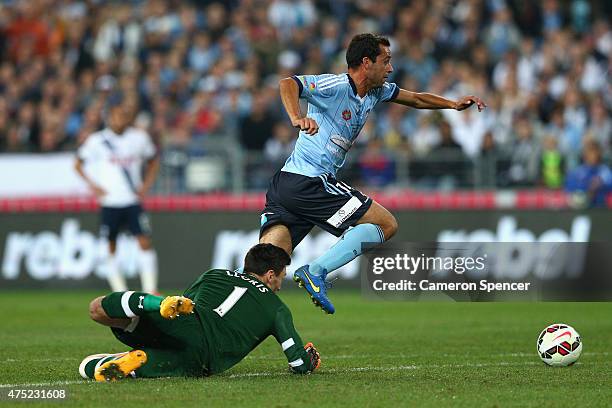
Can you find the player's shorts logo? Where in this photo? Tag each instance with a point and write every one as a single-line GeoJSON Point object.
{"type": "Point", "coordinates": [345, 212]}
{"type": "Point", "coordinates": [346, 115]}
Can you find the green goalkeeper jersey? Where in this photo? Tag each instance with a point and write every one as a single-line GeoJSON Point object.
{"type": "Point", "coordinates": [238, 312]}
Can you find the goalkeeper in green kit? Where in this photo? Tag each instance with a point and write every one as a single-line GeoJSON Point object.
{"type": "Point", "coordinates": [221, 318]}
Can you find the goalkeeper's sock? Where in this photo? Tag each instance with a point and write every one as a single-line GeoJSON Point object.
{"type": "Point", "coordinates": [88, 366]}
{"type": "Point", "coordinates": [130, 304]}
{"type": "Point", "coordinates": [346, 249]}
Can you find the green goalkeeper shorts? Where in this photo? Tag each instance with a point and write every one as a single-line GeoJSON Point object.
{"type": "Point", "coordinates": [174, 348]}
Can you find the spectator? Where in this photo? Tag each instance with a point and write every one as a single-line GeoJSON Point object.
{"type": "Point", "coordinates": [591, 182]}
{"type": "Point", "coordinates": [525, 155]}
{"type": "Point", "coordinates": [206, 68]}
{"type": "Point", "coordinates": [256, 128]}
{"type": "Point", "coordinates": [376, 167]}
{"type": "Point", "coordinates": [280, 146]}
{"type": "Point", "coordinates": [551, 164]}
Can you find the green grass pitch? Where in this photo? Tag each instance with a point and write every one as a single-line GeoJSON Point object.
{"type": "Point", "coordinates": [374, 354]}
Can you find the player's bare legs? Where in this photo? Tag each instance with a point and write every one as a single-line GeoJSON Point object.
{"type": "Point", "coordinates": [379, 215]}
{"type": "Point", "coordinates": [120, 310]}
{"type": "Point", "coordinates": [375, 226]}
{"type": "Point", "coordinates": [98, 314]}
{"type": "Point", "coordinates": [278, 235]}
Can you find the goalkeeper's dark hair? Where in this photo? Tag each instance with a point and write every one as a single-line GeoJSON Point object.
{"type": "Point", "coordinates": [263, 257]}
{"type": "Point", "coordinates": [364, 45]}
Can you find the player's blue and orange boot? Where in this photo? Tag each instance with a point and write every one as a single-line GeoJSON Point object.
{"type": "Point", "coordinates": [316, 287]}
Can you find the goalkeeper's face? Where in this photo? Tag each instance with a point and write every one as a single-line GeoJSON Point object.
{"type": "Point", "coordinates": [275, 281]}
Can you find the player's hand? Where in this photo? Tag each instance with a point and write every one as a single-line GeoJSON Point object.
{"type": "Point", "coordinates": [468, 101]}
{"type": "Point", "coordinates": [98, 191]}
{"type": "Point", "coordinates": [313, 354]}
{"type": "Point", "coordinates": [308, 125]}
{"type": "Point", "coordinates": [173, 306]}
{"type": "Point", "coordinates": [141, 193]}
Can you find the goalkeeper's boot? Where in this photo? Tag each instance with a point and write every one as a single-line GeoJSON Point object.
{"type": "Point", "coordinates": [316, 287]}
{"type": "Point", "coordinates": [174, 306]}
{"type": "Point", "coordinates": [87, 367]}
{"type": "Point", "coordinates": [121, 367]}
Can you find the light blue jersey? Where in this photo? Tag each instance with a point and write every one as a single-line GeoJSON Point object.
{"type": "Point", "coordinates": [340, 113]}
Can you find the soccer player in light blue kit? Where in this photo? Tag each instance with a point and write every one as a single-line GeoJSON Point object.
{"type": "Point", "coordinates": [305, 192]}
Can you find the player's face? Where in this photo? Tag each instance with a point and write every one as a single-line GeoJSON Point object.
{"type": "Point", "coordinates": [380, 70]}
{"type": "Point", "coordinates": [119, 118]}
{"type": "Point", "coordinates": [275, 281]}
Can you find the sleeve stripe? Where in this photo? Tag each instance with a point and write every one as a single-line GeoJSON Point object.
{"type": "Point", "coordinates": [329, 79]}
{"type": "Point", "coordinates": [333, 84]}
{"type": "Point", "coordinates": [296, 363]}
{"type": "Point", "coordinates": [287, 343]}
{"type": "Point", "coordinates": [125, 298]}
{"type": "Point", "coordinates": [300, 86]}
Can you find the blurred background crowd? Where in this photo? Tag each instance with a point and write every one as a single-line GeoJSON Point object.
{"type": "Point", "coordinates": [202, 78]}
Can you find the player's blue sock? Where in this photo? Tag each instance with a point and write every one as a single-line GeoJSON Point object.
{"type": "Point", "coordinates": [346, 249]}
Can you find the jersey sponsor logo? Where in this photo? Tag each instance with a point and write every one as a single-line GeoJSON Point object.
{"type": "Point", "coordinates": [345, 212]}
{"type": "Point", "coordinates": [312, 86]}
{"type": "Point", "coordinates": [346, 115]}
{"type": "Point", "coordinates": [341, 142]}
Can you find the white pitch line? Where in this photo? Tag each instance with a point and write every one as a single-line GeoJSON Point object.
{"type": "Point", "coordinates": [40, 360]}
{"type": "Point", "coordinates": [331, 357]}
{"type": "Point", "coordinates": [45, 384]}
{"type": "Point", "coordinates": [396, 368]}
{"type": "Point", "coordinates": [334, 370]}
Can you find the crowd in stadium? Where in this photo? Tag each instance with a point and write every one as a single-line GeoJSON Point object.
{"type": "Point", "coordinates": [205, 70]}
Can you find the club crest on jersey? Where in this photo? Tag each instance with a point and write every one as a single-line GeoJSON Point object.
{"type": "Point", "coordinates": [346, 115]}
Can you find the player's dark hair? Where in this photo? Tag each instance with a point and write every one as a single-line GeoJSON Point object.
{"type": "Point", "coordinates": [263, 257]}
{"type": "Point", "coordinates": [364, 45]}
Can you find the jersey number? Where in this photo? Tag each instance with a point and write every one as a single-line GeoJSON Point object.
{"type": "Point", "coordinates": [230, 301]}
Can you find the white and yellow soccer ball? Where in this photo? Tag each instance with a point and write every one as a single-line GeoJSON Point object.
{"type": "Point", "coordinates": [559, 345]}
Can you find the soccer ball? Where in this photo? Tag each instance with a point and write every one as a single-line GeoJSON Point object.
{"type": "Point", "coordinates": [559, 345]}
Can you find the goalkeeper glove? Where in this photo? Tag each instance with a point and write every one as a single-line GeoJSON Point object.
{"type": "Point", "coordinates": [314, 360]}
{"type": "Point", "coordinates": [173, 306]}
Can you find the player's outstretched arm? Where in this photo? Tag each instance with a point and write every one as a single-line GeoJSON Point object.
{"type": "Point", "coordinates": [173, 306]}
{"type": "Point", "coordinates": [424, 100]}
{"type": "Point", "coordinates": [302, 359]}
